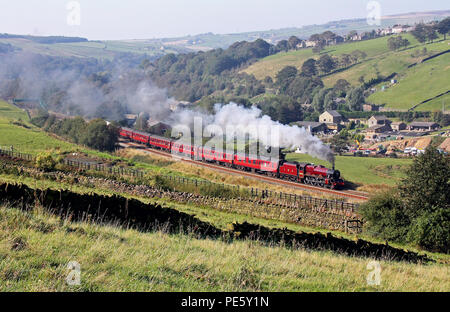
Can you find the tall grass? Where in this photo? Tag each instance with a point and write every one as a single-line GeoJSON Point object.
{"type": "Point", "coordinates": [35, 249]}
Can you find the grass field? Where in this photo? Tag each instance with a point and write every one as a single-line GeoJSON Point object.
{"type": "Point", "coordinates": [363, 170]}
{"type": "Point", "coordinates": [95, 49]}
{"type": "Point", "coordinates": [36, 248]}
{"type": "Point", "coordinates": [410, 91]}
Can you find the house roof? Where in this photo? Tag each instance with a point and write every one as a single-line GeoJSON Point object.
{"type": "Point", "coordinates": [333, 113]}
{"type": "Point", "coordinates": [398, 123]}
{"type": "Point", "coordinates": [154, 122]}
{"type": "Point", "coordinates": [379, 117]}
{"type": "Point", "coordinates": [375, 127]}
{"type": "Point", "coordinates": [423, 124]}
{"type": "Point", "coordinates": [312, 124]}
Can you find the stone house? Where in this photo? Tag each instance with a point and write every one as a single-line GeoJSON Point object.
{"type": "Point", "coordinates": [331, 117]}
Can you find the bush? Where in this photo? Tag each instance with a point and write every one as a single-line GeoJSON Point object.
{"type": "Point", "coordinates": [45, 161]}
{"type": "Point", "coordinates": [417, 212]}
{"type": "Point", "coordinates": [385, 217]}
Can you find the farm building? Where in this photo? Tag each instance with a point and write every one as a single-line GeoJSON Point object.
{"type": "Point", "coordinates": [423, 126]}
{"type": "Point", "coordinates": [378, 120]}
{"type": "Point", "coordinates": [375, 131]}
{"type": "Point", "coordinates": [330, 117]}
{"type": "Point", "coordinates": [158, 127]}
{"type": "Point", "coordinates": [398, 126]}
{"type": "Point", "coordinates": [312, 126]}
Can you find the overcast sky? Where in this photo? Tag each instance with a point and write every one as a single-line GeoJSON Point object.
{"type": "Point", "coordinates": [146, 19]}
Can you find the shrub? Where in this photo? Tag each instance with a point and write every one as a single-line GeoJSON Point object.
{"type": "Point", "coordinates": [418, 211]}
{"type": "Point", "coordinates": [45, 161]}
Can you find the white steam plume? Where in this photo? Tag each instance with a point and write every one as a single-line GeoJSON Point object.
{"type": "Point", "coordinates": [250, 121]}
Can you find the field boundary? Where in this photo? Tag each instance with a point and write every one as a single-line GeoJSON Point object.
{"type": "Point", "coordinates": [321, 203]}
{"type": "Point", "coordinates": [150, 217]}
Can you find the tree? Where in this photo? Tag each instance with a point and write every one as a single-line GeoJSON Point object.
{"type": "Point", "coordinates": [419, 210]}
{"type": "Point", "coordinates": [339, 142]}
{"type": "Point", "coordinates": [100, 136]}
{"type": "Point", "coordinates": [285, 77]}
{"type": "Point", "coordinates": [345, 60]}
{"type": "Point", "coordinates": [355, 99]}
{"type": "Point", "coordinates": [309, 68]}
{"type": "Point", "coordinates": [430, 33]}
{"type": "Point", "coordinates": [420, 33]}
{"type": "Point", "coordinates": [328, 101]}
{"type": "Point", "coordinates": [395, 43]}
{"type": "Point", "coordinates": [341, 87]}
{"type": "Point", "coordinates": [283, 45]}
{"type": "Point", "coordinates": [319, 99]}
{"type": "Point", "coordinates": [444, 27]}
{"type": "Point", "coordinates": [326, 63]}
{"type": "Point", "coordinates": [302, 88]}
{"type": "Point", "coordinates": [293, 42]}
{"type": "Point", "coordinates": [358, 55]}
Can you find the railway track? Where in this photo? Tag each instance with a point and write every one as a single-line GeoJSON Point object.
{"type": "Point", "coordinates": [346, 194]}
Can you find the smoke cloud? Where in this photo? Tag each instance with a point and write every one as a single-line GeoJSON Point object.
{"type": "Point", "coordinates": [85, 87]}
{"type": "Point", "coordinates": [250, 121]}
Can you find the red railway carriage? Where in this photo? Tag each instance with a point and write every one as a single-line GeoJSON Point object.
{"type": "Point", "coordinates": [140, 137]}
{"type": "Point", "coordinates": [185, 150]}
{"type": "Point", "coordinates": [126, 133]}
{"type": "Point", "coordinates": [252, 163]}
{"type": "Point", "coordinates": [160, 142]}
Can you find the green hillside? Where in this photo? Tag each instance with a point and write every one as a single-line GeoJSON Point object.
{"type": "Point", "coordinates": [418, 84]}
{"type": "Point", "coordinates": [95, 49]}
{"type": "Point", "coordinates": [409, 92]}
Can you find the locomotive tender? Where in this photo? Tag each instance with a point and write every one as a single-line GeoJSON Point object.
{"type": "Point", "coordinates": [279, 168]}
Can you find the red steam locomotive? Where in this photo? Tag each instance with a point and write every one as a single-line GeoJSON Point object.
{"type": "Point", "coordinates": [274, 167]}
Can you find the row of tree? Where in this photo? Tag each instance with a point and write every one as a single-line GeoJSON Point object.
{"type": "Point", "coordinates": [395, 43]}
{"type": "Point", "coordinates": [95, 134]}
{"type": "Point", "coordinates": [429, 32]}
{"type": "Point", "coordinates": [327, 63]}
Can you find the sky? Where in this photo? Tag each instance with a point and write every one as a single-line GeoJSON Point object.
{"type": "Point", "coordinates": [148, 19]}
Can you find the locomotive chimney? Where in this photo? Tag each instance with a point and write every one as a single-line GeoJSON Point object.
{"type": "Point", "coordinates": [333, 164]}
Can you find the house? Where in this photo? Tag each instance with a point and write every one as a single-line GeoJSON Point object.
{"type": "Point", "coordinates": [375, 131]}
{"type": "Point", "coordinates": [423, 126]}
{"type": "Point", "coordinates": [330, 117]}
{"type": "Point", "coordinates": [158, 127]}
{"type": "Point", "coordinates": [398, 126]}
{"type": "Point", "coordinates": [301, 45]}
{"type": "Point", "coordinates": [130, 119]}
{"type": "Point", "coordinates": [309, 43]}
{"type": "Point", "coordinates": [312, 126]}
{"type": "Point", "coordinates": [386, 31]}
{"type": "Point", "coordinates": [378, 120]}
{"type": "Point", "coordinates": [398, 29]}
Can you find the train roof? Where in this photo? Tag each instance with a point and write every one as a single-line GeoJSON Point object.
{"type": "Point", "coordinates": [147, 134]}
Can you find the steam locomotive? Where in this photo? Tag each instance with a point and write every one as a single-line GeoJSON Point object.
{"type": "Point", "coordinates": [276, 167]}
